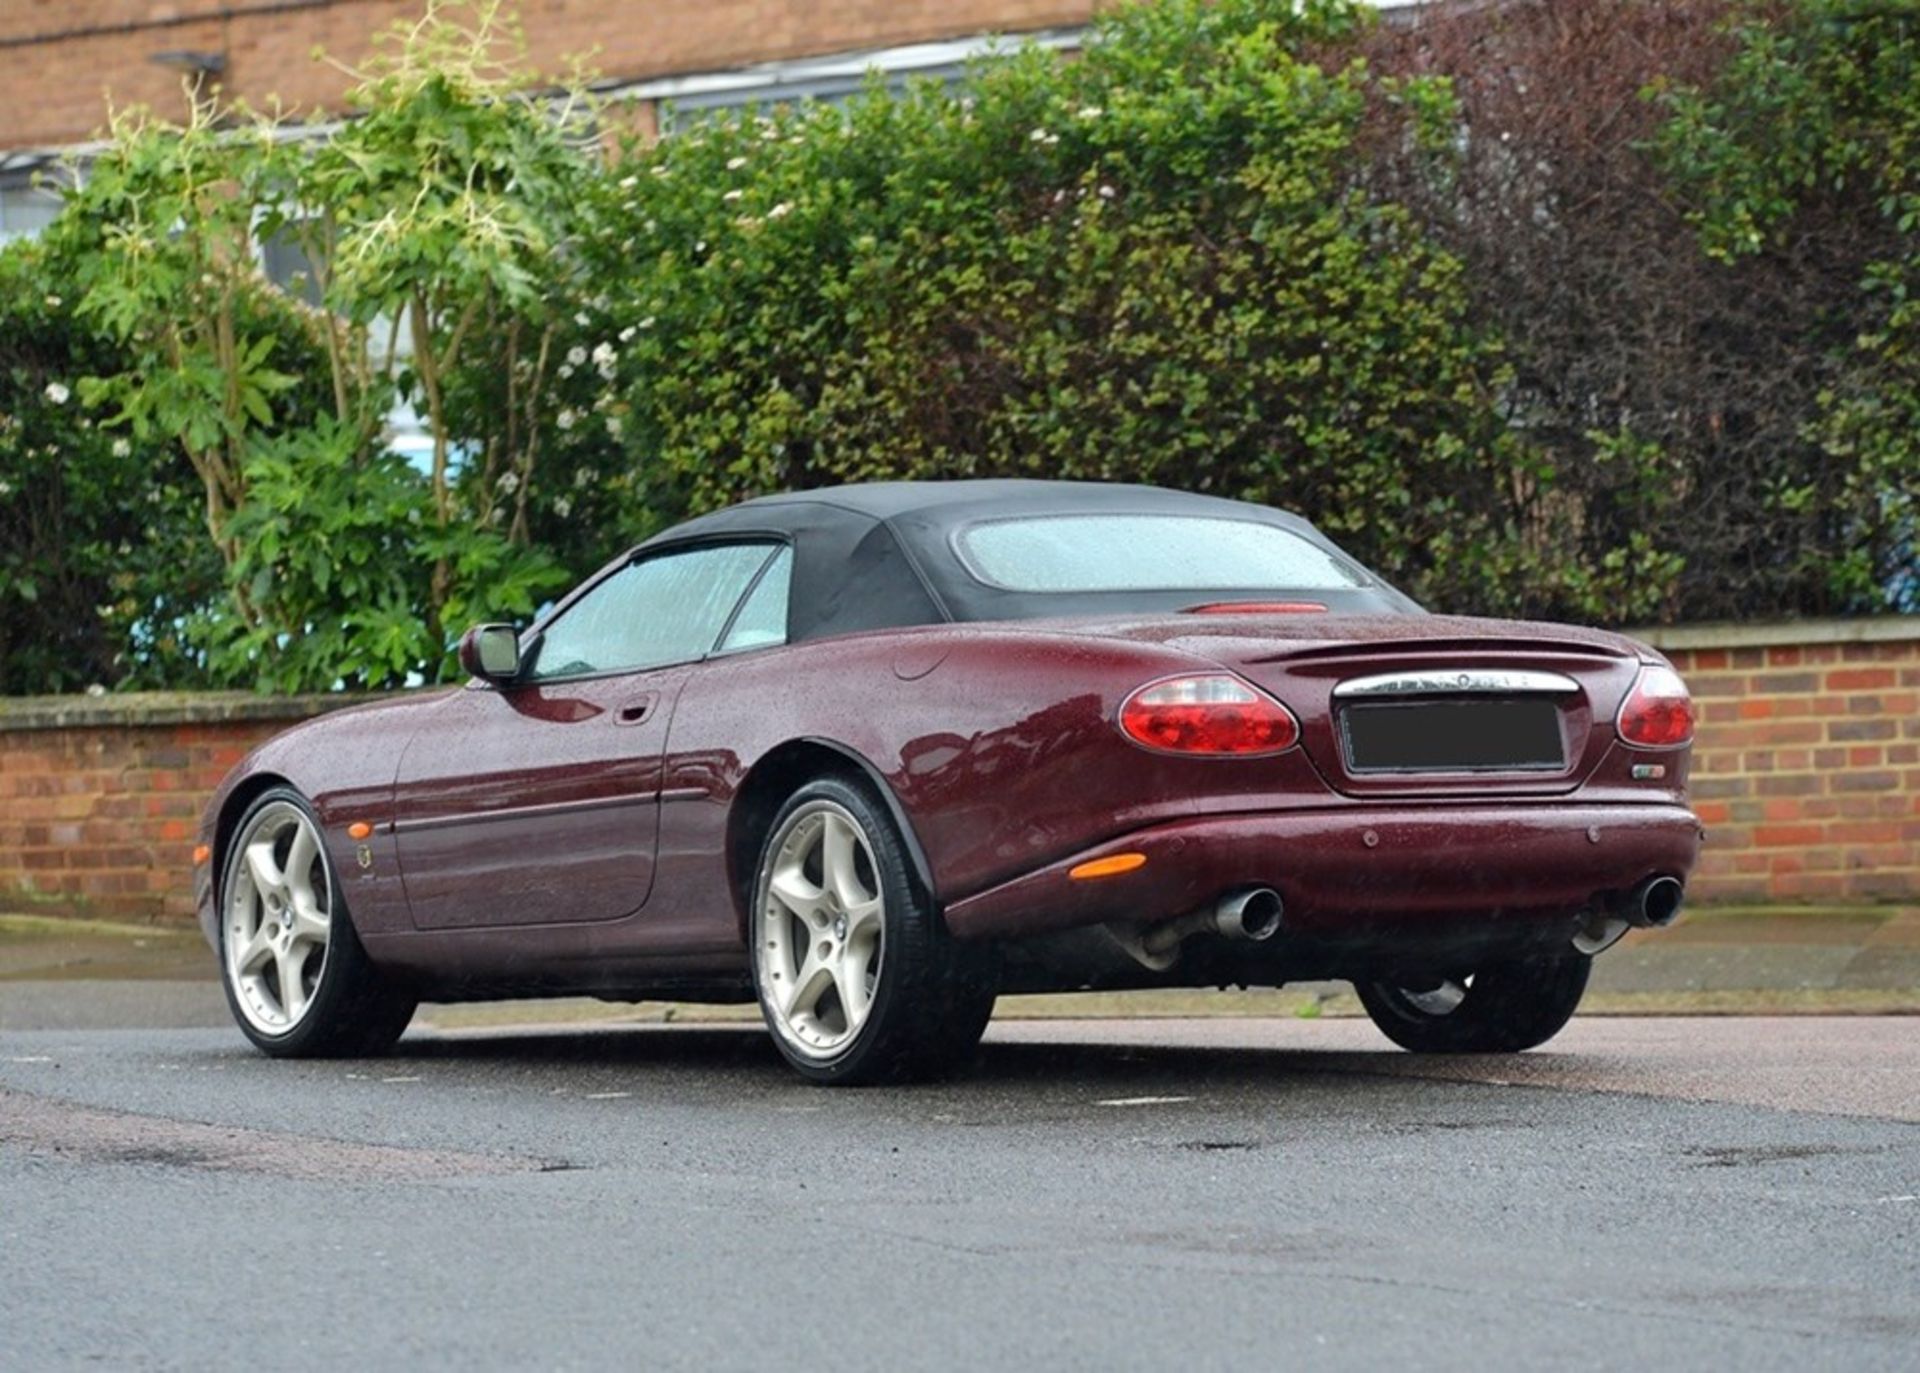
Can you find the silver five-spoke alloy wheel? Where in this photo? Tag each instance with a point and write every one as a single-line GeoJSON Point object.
{"type": "Point", "coordinates": [821, 929]}
{"type": "Point", "coordinates": [278, 914]}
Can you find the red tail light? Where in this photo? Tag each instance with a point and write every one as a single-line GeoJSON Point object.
{"type": "Point", "coordinates": [1258, 608]}
{"type": "Point", "coordinates": [1658, 712]}
{"type": "Point", "coordinates": [1216, 714]}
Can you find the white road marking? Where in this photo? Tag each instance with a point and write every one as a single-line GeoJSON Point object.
{"type": "Point", "coordinates": [32, 1058]}
{"type": "Point", "coordinates": [1144, 1101]}
{"type": "Point", "coordinates": [606, 1096]}
{"type": "Point", "coordinates": [399, 1079]}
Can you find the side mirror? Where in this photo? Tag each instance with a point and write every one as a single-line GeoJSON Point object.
{"type": "Point", "coordinates": [491, 652]}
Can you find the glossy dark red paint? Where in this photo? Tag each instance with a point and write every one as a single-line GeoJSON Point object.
{"type": "Point", "coordinates": [587, 835]}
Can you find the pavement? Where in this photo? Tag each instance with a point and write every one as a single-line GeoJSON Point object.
{"type": "Point", "coordinates": [1716, 961]}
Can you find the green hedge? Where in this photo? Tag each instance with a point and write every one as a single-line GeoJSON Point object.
{"type": "Point", "coordinates": [1163, 262]}
{"type": "Point", "coordinates": [1594, 312]}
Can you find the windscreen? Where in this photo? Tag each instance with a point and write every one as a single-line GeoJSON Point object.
{"type": "Point", "coordinates": [1069, 553]}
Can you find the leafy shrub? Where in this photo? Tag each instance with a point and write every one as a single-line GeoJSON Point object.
{"type": "Point", "coordinates": [1675, 393]}
{"type": "Point", "coordinates": [1159, 263]}
{"type": "Point", "coordinates": [104, 557]}
{"type": "Point", "coordinates": [1812, 131]}
{"type": "Point", "coordinates": [433, 226]}
{"type": "Point", "coordinates": [1603, 312]}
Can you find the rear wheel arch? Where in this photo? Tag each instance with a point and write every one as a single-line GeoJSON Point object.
{"type": "Point", "coordinates": [780, 773]}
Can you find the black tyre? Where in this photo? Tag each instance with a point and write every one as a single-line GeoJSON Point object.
{"type": "Point", "coordinates": [297, 980]}
{"type": "Point", "coordinates": [858, 978]}
{"type": "Point", "coordinates": [1499, 1009]}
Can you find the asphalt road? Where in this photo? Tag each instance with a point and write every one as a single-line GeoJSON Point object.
{"type": "Point", "coordinates": [1726, 1193]}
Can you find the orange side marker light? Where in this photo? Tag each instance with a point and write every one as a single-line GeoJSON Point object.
{"type": "Point", "coordinates": [201, 853]}
{"type": "Point", "coordinates": [1111, 866]}
{"type": "Point", "coordinates": [359, 829]}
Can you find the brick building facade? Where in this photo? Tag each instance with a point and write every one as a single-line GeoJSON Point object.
{"type": "Point", "coordinates": [66, 59]}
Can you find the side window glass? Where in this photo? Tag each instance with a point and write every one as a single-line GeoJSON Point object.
{"type": "Point", "coordinates": [762, 621]}
{"type": "Point", "coordinates": [665, 609]}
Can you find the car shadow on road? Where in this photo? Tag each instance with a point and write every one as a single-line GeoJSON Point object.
{"type": "Point", "coordinates": [746, 1055]}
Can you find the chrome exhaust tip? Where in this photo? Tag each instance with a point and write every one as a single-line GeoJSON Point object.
{"type": "Point", "coordinates": [1251, 914]}
{"type": "Point", "coordinates": [1655, 903]}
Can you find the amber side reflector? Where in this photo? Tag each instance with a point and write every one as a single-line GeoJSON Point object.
{"type": "Point", "coordinates": [201, 853]}
{"type": "Point", "coordinates": [359, 829]}
{"type": "Point", "coordinates": [1111, 866]}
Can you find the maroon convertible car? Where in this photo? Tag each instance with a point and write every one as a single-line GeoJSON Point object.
{"type": "Point", "coordinates": [875, 755]}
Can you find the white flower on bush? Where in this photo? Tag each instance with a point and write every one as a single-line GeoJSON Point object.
{"type": "Point", "coordinates": [1091, 111]}
{"type": "Point", "coordinates": [1038, 135]}
{"type": "Point", "coordinates": [53, 302]}
{"type": "Point", "coordinates": [780, 211]}
{"type": "Point", "coordinates": [583, 319]}
{"type": "Point", "coordinates": [734, 164]}
{"type": "Point", "coordinates": [604, 358]}
{"type": "Point", "coordinates": [565, 419]}
{"type": "Point", "coordinates": [582, 478]}
{"type": "Point", "coordinates": [731, 196]}
{"type": "Point", "coordinates": [509, 482]}
{"type": "Point", "coordinates": [577, 355]}
{"type": "Point", "coordinates": [1106, 193]}
{"type": "Point", "coordinates": [647, 323]}
{"type": "Point", "coordinates": [6, 487]}
{"type": "Point", "coordinates": [57, 393]}
{"type": "Point", "coordinates": [122, 447]}
{"type": "Point", "coordinates": [627, 183]}
{"type": "Point", "coordinates": [562, 507]}
{"type": "Point", "coordinates": [566, 370]}
{"type": "Point", "coordinates": [613, 426]}
{"type": "Point", "coordinates": [626, 334]}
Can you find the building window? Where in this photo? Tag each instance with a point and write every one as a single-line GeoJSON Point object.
{"type": "Point", "coordinates": [687, 100]}
{"type": "Point", "coordinates": [26, 209]}
{"type": "Point", "coordinates": [287, 266]}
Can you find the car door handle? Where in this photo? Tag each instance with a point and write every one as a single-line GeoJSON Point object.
{"type": "Point", "coordinates": [636, 710]}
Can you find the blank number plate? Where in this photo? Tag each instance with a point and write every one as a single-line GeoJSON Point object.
{"type": "Point", "coordinates": [1454, 736]}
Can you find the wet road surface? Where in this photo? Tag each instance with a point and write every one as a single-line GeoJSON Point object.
{"type": "Point", "coordinates": [1713, 1193]}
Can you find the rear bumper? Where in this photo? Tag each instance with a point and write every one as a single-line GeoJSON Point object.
{"type": "Point", "coordinates": [1360, 866]}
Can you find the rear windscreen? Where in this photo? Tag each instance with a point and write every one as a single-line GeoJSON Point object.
{"type": "Point", "coordinates": [1148, 553]}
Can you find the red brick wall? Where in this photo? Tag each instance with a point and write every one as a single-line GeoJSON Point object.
{"type": "Point", "coordinates": [100, 798]}
{"type": "Point", "coordinates": [1806, 769]}
{"type": "Point", "coordinates": [1806, 773]}
{"type": "Point", "coordinates": [65, 59]}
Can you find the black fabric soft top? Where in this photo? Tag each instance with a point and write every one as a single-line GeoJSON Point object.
{"type": "Point", "coordinates": [882, 555]}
